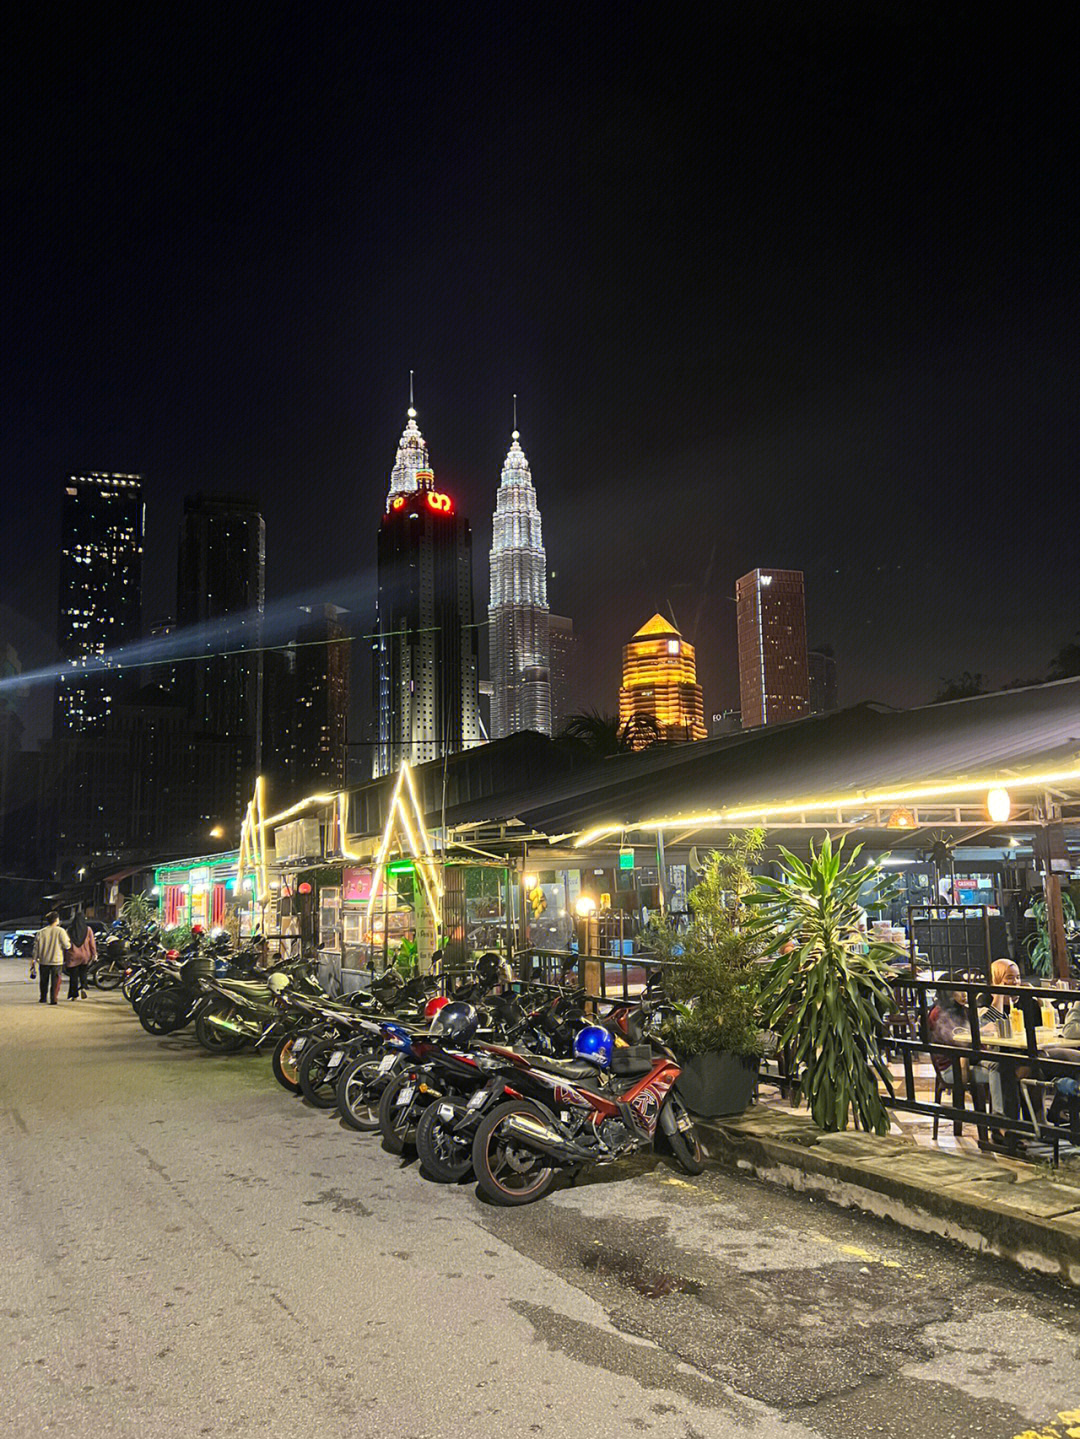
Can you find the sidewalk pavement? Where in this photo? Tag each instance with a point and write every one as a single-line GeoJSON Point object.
{"type": "Point", "coordinates": [1021, 1214]}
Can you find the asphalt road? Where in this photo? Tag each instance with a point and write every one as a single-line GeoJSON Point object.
{"type": "Point", "coordinates": [190, 1251]}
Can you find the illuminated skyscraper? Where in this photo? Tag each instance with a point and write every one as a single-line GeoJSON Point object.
{"type": "Point", "coordinates": [660, 682]}
{"type": "Point", "coordinates": [425, 662]}
{"type": "Point", "coordinates": [774, 683]}
{"type": "Point", "coordinates": [100, 592]}
{"type": "Point", "coordinates": [518, 614]}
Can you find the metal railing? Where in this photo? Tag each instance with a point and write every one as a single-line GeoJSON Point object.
{"type": "Point", "coordinates": [604, 978]}
{"type": "Point", "coordinates": [1033, 1071]}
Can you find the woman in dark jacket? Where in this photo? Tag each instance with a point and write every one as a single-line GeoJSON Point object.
{"type": "Point", "coordinates": [83, 950]}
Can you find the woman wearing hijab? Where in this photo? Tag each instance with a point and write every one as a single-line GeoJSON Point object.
{"type": "Point", "coordinates": [83, 950]}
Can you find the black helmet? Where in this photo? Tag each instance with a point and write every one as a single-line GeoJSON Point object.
{"type": "Point", "coordinates": [487, 968]}
{"type": "Point", "coordinates": [456, 1021]}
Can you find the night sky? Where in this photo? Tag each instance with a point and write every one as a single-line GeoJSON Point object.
{"type": "Point", "coordinates": [788, 286]}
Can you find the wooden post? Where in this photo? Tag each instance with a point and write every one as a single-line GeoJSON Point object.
{"type": "Point", "coordinates": [1055, 923]}
{"type": "Point", "coordinates": [1052, 858]}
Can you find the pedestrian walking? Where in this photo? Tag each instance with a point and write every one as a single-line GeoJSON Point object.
{"type": "Point", "coordinates": [50, 946]}
{"type": "Point", "coordinates": [82, 953]}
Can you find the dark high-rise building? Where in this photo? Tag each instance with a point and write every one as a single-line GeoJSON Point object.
{"type": "Point", "coordinates": [425, 654]}
{"type": "Point", "coordinates": [774, 684]}
{"type": "Point", "coordinates": [11, 732]}
{"type": "Point", "coordinates": [822, 668]}
{"type": "Point", "coordinates": [307, 708]}
{"type": "Point", "coordinates": [220, 593]}
{"type": "Point", "coordinates": [100, 593]}
{"type": "Point", "coordinates": [562, 644]}
{"type": "Point", "coordinates": [139, 784]}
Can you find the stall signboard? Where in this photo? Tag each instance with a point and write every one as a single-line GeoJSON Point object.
{"type": "Point", "coordinates": [355, 886]}
{"type": "Point", "coordinates": [426, 939]}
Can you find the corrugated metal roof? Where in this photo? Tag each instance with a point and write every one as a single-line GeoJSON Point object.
{"type": "Point", "coordinates": [866, 749]}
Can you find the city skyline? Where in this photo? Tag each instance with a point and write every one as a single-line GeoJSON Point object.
{"type": "Point", "coordinates": [808, 313]}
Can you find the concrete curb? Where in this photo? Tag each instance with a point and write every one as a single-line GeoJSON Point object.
{"type": "Point", "coordinates": [1034, 1223]}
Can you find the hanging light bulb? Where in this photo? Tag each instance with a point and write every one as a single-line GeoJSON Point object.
{"type": "Point", "coordinates": [998, 805]}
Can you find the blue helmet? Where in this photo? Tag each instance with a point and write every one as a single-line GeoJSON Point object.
{"type": "Point", "coordinates": [595, 1044]}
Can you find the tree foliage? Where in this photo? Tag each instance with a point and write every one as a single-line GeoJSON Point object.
{"type": "Point", "coordinates": [827, 996]}
{"type": "Point", "coordinates": [137, 910]}
{"type": "Point", "coordinates": [599, 735]}
{"type": "Point", "coordinates": [964, 687]}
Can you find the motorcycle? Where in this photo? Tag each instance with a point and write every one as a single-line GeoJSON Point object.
{"type": "Point", "coordinates": [564, 1116]}
{"type": "Point", "coordinates": [251, 1011]}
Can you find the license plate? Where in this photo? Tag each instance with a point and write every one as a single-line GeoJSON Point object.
{"type": "Point", "coordinates": [335, 1059]}
{"type": "Point", "coordinates": [386, 1063]}
{"type": "Point", "coordinates": [446, 1113]}
{"type": "Point", "coordinates": [477, 1099]}
{"type": "Point", "coordinates": [405, 1094]}
{"type": "Point", "coordinates": [298, 1045]}
{"type": "Point", "coordinates": [684, 1122]}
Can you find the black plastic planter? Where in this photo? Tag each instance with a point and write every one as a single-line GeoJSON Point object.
{"type": "Point", "coordinates": [716, 1084]}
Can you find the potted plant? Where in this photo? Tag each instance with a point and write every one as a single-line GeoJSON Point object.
{"type": "Point", "coordinates": [826, 992]}
{"type": "Point", "coordinates": [713, 983]}
{"type": "Point", "coordinates": [1037, 943]}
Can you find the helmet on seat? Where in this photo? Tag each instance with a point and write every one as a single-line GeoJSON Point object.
{"type": "Point", "coordinates": [594, 1044]}
{"type": "Point", "coordinates": [487, 969]}
{"type": "Point", "coordinates": [433, 1006]}
{"type": "Point", "coordinates": [456, 1021]}
{"type": "Point", "coordinates": [278, 982]}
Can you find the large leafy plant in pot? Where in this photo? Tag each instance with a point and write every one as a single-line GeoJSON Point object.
{"type": "Point", "coordinates": [826, 992]}
{"type": "Point", "coordinates": [713, 980]}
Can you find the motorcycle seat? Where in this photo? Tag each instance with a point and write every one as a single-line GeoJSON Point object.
{"type": "Point", "coordinates": [246, 986]}
{"type": "Point", "coordinates": [568, 1068]}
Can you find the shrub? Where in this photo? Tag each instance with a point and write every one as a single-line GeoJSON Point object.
{"type": "Point", "coordinates": [828, 995]}
{"type": "Point", "coordinates": [714, 972]}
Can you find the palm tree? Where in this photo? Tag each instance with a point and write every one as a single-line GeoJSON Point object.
{"type": "Point", "coordinates": [600, 735]}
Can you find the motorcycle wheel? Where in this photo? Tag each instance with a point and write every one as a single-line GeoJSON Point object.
{"type": "Point", "coordinates": [685, 1144]}
{"type": "Point", "coordinates": [284, 1066]}
{"type": "Point", "coordinates": [314, 1086]}
{"type": "Point", "coordinates": [217, 1041]}
{"type": "Point", "coordinates": [506, 1173]}
{"type": "Point", "coordinates": [159, 1012]}
{"type": "Point", "coordinates": [358, 1094]}
{"type": "Point", "coordinates": [443, 1157]}
{"type": "Point", "coordinates": [396, 1123]}
{"type": "Point", "coordinates": [108, 976]}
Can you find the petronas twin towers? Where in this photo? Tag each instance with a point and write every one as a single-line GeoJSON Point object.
{"type": "Point", "coordinates": [518, 639]}
{"type": "Point", "coordinates": [426, 671]}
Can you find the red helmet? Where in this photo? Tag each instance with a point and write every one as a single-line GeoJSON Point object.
{"type": "Point", "coordinates": [433, 1006]}
{"type": "Point", "coordinates": [172, 954]}
{"type": "Point", "coordinates": [197, 929]}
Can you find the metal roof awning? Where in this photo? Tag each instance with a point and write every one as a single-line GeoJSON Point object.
{"type": "Point", "coordinates": [849, 768]}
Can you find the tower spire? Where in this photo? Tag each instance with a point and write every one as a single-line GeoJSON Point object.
{"type": "Point", "coordinates": [515, 435]}
{"type": "Point", "coordinates": [412, 402]}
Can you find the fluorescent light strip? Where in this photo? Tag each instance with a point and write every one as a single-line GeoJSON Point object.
{"type": "Point", "coordinates": [836, 802]}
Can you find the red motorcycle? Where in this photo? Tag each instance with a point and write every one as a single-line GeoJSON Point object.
{"type": "Point", "coordinates": [567, 1114]}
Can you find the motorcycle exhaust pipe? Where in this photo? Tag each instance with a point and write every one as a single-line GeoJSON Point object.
{"type": "Point", "coordinates": [535, 1134]}
{"type": "Point", "coordinates": [235, 1026]}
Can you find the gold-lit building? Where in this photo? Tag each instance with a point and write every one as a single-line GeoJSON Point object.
{"type": "Point", "coordinates": [660, 682]}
